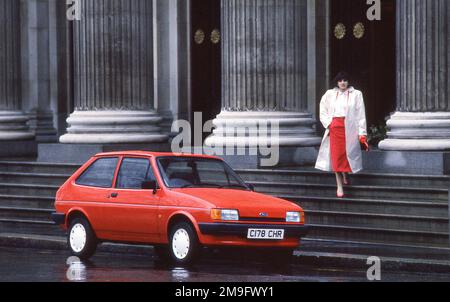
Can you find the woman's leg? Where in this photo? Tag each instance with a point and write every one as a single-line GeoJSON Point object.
{"type": "Point", "coordinates": [345, 176]}
{"type": "Point", "coordinates": [340, 187]}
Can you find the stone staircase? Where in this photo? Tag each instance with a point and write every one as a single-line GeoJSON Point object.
{"type": "Point", "coordinates": [394, 209]}
{"type": "Point", "coordinates": [27, 195]}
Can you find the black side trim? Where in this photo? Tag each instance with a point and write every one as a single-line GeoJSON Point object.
{"type": "Point", "coordinates": [242, 229]}
{"type": "Point", "coordinates": [59, 218]}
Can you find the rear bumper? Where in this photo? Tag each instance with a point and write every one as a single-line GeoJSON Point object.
{"type": "Point", "coordinates": [237, 229]}
{"type": "Point", "coordinates": [58, 218]}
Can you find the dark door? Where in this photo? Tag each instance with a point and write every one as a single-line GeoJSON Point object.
{"type": "Point", "coordinates": [205, 58]}
{"type": "Point", "coordinates": [366, 49]}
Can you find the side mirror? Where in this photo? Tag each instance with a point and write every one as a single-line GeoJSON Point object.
{"type": "Point", "coordinates": [149, 185]}
{"type": "Point", "coordinates": [252, 187]}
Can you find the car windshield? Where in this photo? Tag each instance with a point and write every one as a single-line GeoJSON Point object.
{"type": "Point", "coordinates": [194, 172]}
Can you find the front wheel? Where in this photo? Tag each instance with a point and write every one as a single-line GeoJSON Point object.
{"type": "Point", "coordinates": [81, 238]}
{"type": "Point", "coordinates": [183, 243]}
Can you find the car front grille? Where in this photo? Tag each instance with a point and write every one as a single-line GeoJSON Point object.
{"type": "Point", "coordinates": [262, 219]}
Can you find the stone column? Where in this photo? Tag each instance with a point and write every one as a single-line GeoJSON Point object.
{"type": "Point", "coordinates": [422, 117]}
{"type": "Point", "coordinates": [13, 122]}
{"type": "Point", "coordinates": [36, 68]}
{"type": "Point", "coordinates": [264, 73]}
{"type": "Point", "coordinates": [114, 95]}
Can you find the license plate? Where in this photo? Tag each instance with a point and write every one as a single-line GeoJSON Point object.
{"type": "Point", "coordinates": [267, 234]}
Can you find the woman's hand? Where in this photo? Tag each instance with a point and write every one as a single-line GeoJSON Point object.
{"type": "Point", "coordinates": [363, 141]}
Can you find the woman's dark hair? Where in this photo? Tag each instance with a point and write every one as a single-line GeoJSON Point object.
{"type": "Point", "coordinates": [342, 75]}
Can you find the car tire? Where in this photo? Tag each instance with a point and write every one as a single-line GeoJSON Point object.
{"type": "Point", "coordinates": [183, 243]}
{"type": "Point", "coordinates": [81, 239]}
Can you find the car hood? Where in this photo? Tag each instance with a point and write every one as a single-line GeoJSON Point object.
{"type": "Point", "coordinates": [249, 203]}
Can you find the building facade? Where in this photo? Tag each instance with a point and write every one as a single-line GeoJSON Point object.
{"type": "Point", "coordinates": [121, 71]}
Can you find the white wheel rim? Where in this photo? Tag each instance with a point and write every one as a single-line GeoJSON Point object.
{"type": "Point", "coordinates": [180, 244]}
{"type": "Point", "coordinates": [77, 237]}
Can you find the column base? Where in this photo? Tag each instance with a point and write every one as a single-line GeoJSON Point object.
{"type": "Point", "coordinates": [253, 129]}
{"type": "Point", "coordinates": [80, 153]}
{"type": "Point", "coordinates": [42, 124]}
{"type": "Point", "coordinates": [19, 148]}
{"type": "Point", "coordinates": [407, 162]}
{"type": "Point", "coordinates": [422, 131]}
{"type": "Point", "coordinates": [113, 127]}
{"type": "Point", "coordinates": [257, 158]}
{"type": "Point", "coordinates": [13, 126]}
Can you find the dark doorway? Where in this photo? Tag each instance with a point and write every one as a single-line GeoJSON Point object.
{"type": "Point", "coordinates": [367, 52]}
{"type": "Point", "coordinates": [205, 59]}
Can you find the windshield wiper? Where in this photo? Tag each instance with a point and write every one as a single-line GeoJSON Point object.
{"type": "Point", "coordinates": [201, 185]}
{"type": "Point", "coordinates": [187, 186]}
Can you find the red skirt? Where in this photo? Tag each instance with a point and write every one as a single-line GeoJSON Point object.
{"type": "Point", "coordinates": [338, 150]}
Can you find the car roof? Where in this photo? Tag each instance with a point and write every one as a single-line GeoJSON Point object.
{"type": "Point", "coordinates": [153, 154]}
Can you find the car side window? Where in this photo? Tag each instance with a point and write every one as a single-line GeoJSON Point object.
{"type": "Point", "coordinates": [133, 172]}
{"type": "Point", "coordinates": [99, 174]}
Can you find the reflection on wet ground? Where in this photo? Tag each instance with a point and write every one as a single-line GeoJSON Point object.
{"type": "Point", "coordinates": [220, 266]}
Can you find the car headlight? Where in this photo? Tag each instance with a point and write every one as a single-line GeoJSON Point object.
{"type": "Point", "coordinates": [293, 217]}
{"type": "Point", "coordinates": [224, 214]}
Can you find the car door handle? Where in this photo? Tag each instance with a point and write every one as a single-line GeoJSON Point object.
{"type": "Point", "coordinates": [114, 195]}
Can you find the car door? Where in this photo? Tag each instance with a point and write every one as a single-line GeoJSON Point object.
{"type": "Point", "coordinates": [93, 188]}
{"type": "Point", "coordinates": [133, 210]}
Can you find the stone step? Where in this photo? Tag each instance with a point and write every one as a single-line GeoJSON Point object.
{"type": "Point", "coordinates": [28, 226]}
{"type": "Point", "coordinates": [379, 235]}
{"type": "Point", "coordinates": [381, 206]}
{"type": "Point", "coordinates": [37, 167]}
{"type": "Point", "coordinates": [317, 177]}
{"type": "Point", "coordinates": [366, 191]}
{"type": "Point", "coordinates": [371, 220]}
{"type": "Point", "coordinates": [33, 178]}
{"type": "Point", "coordinates": [40, 202]}
{"type": "Point", "coordinates": [23, 213]}
{"type": "Point", "coordinates": [28, 189]}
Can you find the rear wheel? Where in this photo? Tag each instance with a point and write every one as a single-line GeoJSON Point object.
{"type": "Point", "coordinates": [81, 238]}
{"type": "Point", "coordinates": [183, 243]}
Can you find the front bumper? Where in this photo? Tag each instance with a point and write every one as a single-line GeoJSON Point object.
{"type": "Point", "coordinates": [238, 229]}
{"type": "Point", "coordinates": [59, 218]}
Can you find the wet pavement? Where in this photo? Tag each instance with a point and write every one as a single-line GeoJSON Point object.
{"type": "Point", "coordinates": [26, 264]}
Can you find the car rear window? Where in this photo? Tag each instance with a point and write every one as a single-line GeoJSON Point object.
{"type": "Point", "coordinates": [133, 172]}
{"type": "Point", "coordinates": [99, 174]}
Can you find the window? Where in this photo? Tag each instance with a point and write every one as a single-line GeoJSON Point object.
{"type": "Point", "coordinates": [184, 172]}
{"type": "Point", "coordinates": [209, 171]}
{"type": "Point", "coordinates": [99, 174]}
{"type": "Point", "coordinates": [133, 172]}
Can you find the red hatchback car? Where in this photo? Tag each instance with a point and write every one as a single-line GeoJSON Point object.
{"type": "Point", "coordinates": [178, 203]}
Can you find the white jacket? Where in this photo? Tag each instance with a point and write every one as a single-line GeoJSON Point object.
{"type": "Point", "coordinates": [355, 125]}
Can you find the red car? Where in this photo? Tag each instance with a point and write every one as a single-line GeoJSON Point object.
{"type": "Point", "coordinates": [178, 203]}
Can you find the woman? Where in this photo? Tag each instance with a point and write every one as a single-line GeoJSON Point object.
{"type": "Point", "coordinates": [342, 113]}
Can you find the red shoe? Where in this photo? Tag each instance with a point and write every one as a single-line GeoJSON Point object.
{"type": "Point", "coordinates": [340, 195]}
